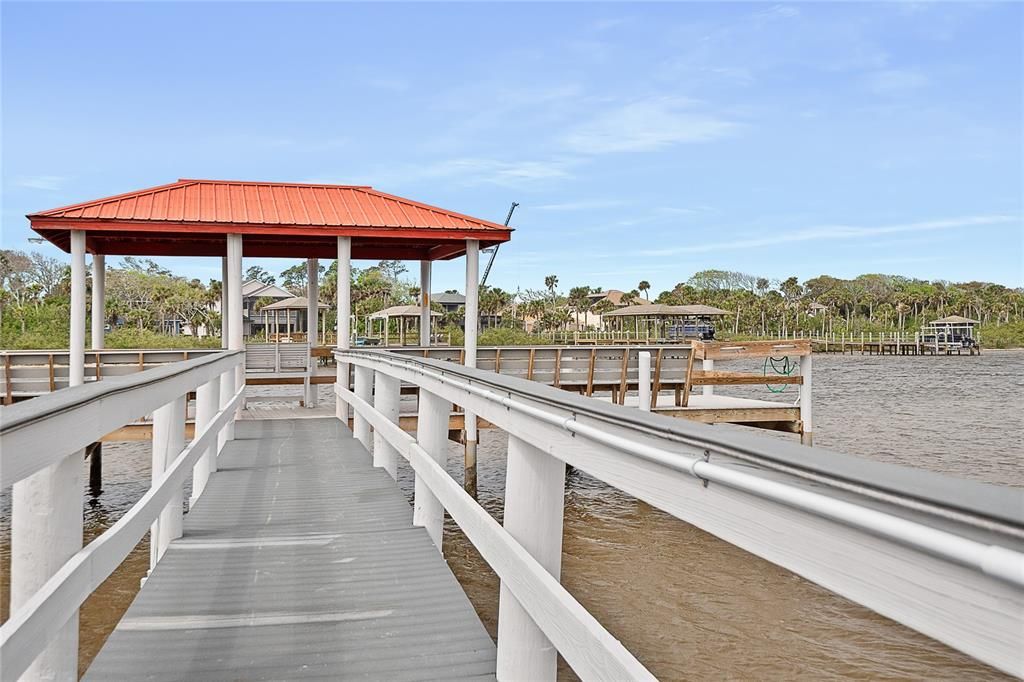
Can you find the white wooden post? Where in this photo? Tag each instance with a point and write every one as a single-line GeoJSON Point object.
{"type": "Point", "coordinates": [471, 323]}
{"type": "Point", "coordinates": [432, 436]}
{"type": "Point", "coordinates": [344, 317]}
{"type": "Point", "coordinates": [224, 322]}
{"type": "Point", "coordinates": [46, 507]}
{"type": "Point", "coordinates": [806, 421]}
{"type": "Point", "coordinates": [386, 400]}
{"type": "Point", "coordinates": [76, 349]}
{"type": "Point", "coordinates": [99, 287]}
{"type": "Point", "coordinates": [207, 406]}
{"type": "Point", "coordinates": [424, 303]}
{"type": "Point", "coordinates": [227, 392]}
{"type": "Point", "coordinates": [168, 442]}
{"type": "Point", "coordinates": [312, 312]}
{"type": "Point", "coordinates": [236, 340]}
{"type": "Point", "coordinates": [708, 365]}
{"type": "Point", "coordinates": [363, 389]}
{"type": "Point", "coordinates": [643, 379]}
{"type": "Point", "coordinates": [534, 503]}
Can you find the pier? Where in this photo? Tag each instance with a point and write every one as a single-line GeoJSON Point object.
{"type": "Point", "coordinates": [299, 556]}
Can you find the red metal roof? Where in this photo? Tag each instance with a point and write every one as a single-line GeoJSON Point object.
{"type": "Point", "coordinates": [191, 217]}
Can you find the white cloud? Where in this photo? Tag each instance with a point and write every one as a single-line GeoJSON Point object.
{"type": "Point", "coordinates": [647, 125]}
{"type": "Point", "coordinates": [895, 81]}
{"type": "Point", "coordinates": [469, 171]}
{"type": "Point", "coordinates": [44, 182]}
{"type": "Point", "coordinates": [836, 232]}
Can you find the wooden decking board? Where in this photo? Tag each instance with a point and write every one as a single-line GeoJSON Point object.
{"type": "Point", "coordinates": [300, 560]}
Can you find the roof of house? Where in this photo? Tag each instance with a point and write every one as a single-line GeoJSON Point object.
{"type": "Point", "coordinates": [293, 303]}
{"type": "Point", "coordinates": [954, 319]}
{"type": "Point", "coordinates": [613, 295]}
{"type": "Point", "coordinates": [817, 306]}
{"type": "Point", "coordinates": [193, 217]}
{"type": "Point", "coordinates": [448, 298]}
{"type": "Point", "coordinates": [254, 288]}
{"type": "Point", "coordinates": [662, 310]}
{"type": "Point", "coordinates": [401, 311]}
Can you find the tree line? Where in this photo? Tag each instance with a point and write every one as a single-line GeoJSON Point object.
{"type": "Point", "coordinates": [142, 296]}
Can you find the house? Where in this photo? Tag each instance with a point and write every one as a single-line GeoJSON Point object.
{"type": "Point", "coordinates": [613, 296]}
{"type": "Point", "coordinates": [252, 291]}
{"type": "Point", "coordinates": [450, 302]}
{"type": "Point", "coordinates": [815, 308]}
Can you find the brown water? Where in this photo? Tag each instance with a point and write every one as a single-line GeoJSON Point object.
{"type": "Point", "coordinates": [688, 605]}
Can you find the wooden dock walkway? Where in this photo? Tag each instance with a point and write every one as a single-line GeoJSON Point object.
{"type": "Point", "coordinates": [300, 560]}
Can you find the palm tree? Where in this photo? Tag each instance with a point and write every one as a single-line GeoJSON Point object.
{"type": "Point", "coordinates": [644, 287]}
{"type": "Point", "coordinates": [551, 281]}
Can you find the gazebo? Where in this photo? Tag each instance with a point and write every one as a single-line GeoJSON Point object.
{"type": "Point", "coordinates": [952, 329]}
{"type": "Point", "coordinates": [404, 314]}
{"type": "Point", "coordinates": [229, 219]}
{"type": "Point", "coordinates": [667, 321]}
{"type": "Point", "coordinates": [298, 324]}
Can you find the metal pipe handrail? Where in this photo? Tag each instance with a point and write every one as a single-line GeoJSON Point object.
{"type": "Point", "coordinates": [981, 505]}
{"type": "Point", "coordinates": [993, 560]}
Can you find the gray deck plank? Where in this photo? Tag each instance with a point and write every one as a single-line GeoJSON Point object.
{"type": "Point", "coordinates": [300, 560]}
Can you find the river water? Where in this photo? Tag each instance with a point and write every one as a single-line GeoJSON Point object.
{"type": "Point", "coordinates": [688, 605]}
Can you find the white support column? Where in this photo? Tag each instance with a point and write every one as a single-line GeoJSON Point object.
{"type": "Point", "coordinates": [168, 442]}
{"type": "Point", "coordinates": [235, 328]}
{"type": "Point", "coordinates": [207, 406]}
{"type": "Point", "coordinates": [708, 365]}
{"type": "Point", "coordinates": [99, 288]}
{"type": "Point", "coordinates": [344, 316]}
{"type": "Point", "coordinates": [643, 380]}
{"type": "Point", "coordinates": [472, 321]}
{"type": "Point", "coordinates": [386, 400]}
{"type": "Point", "coordinates": [432, 436]}
{"type": "Point", "coordinates": [76, 348]}
{"type": "Point", "coordinates": [806, 418]}
{"type": "Point", "coordinates": [534, 503]}
{"type": "Point", "coordinates": [424, 303]}
{"type": "Point", "coordinates": [363, 389]}
{"type": "Point", "coordinates": [224, 323]}
{"type": "Point", "coordinates": [312, 313]}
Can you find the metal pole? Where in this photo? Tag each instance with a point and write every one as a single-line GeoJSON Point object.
{"type": "Point", "coordinates": [344, 317]}
{"type": "Point", "coordinates": [425, 266]}
{"type": "Point", "coordinates": [432, 436]}
{"type": "Point", "coordinates": [471, 325]}
{"type": "Point", "coordinates": [643, 380]}
{"type": "Point", "coordinates": [534, 502]}
{"type": "Point", "coordinates": [99, 287]}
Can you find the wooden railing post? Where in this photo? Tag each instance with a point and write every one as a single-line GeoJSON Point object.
{"type": "Point", "coordinates": [46, 531]}
{"type": "Point", "coordinates": [207, 406]}
{"type": "Point", "coordinates": [227, 391]}
{"type": "Point", "coordinates": [432, 436]}
{"type": "Point", "coordinates": [643, 380]}
{"type": "Point", "coordinates": [534, 502]}
{"type": "Point", "coordinates": [806, 422]}
{"type": "Point", "coordinates": [363, 389]}
{"type": "Point", "coordinates": [386, 400]}
{"type": "Point", "coordinates": [168, 442]}
{"type": "Point", "coordinates": [708, 365]}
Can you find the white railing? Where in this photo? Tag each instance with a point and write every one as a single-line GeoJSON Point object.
{"type": "Point", "coordinates": [939, 555]}
{"type": "Point", "coordinates": [41, 439]}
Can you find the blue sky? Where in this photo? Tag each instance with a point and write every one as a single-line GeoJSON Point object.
{"type": "Point", "coordinates": [642, 141]}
